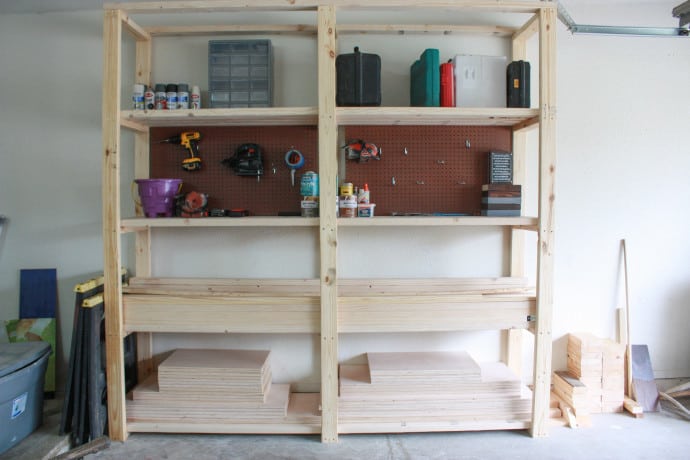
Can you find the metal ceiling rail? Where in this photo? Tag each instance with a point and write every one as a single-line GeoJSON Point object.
{"type": "Point", "coordinates": [682, 11]}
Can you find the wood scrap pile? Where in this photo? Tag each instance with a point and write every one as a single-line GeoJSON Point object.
{"type": "Point", "coordinates": [430, 386]}
{"type": "Point", "coordinates": [214, 386]}
{"type": "Point", "coordinates": [595, 379]}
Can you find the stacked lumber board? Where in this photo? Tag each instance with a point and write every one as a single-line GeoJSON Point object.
{"type": "Point", "coordinates": [220, 388]}
{"type": "Point", "coordinates": [425, 391]}
{"type": "Point", "coordinates": [599, 364]}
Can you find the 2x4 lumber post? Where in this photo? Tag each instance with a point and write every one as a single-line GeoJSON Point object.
{"type": "Point", "coordinates": [141, 171]}
{"type": "Point", "coordinates": [545, 253]}
{"type": "Point", "coordinates": [112, 294]}
{"type": "Point", "coordinates": [514, 342]}
{"type": "Point", "coordinates": [328, 231]}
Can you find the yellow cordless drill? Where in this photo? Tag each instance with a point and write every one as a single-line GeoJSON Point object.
{"type": "Point", "coordinates": [190, 141]}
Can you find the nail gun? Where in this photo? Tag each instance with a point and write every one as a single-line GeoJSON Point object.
{"type": "Point", "coordinates": [190, 141]}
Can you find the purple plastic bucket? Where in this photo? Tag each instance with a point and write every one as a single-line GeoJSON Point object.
{"type": "Point", "coordinates": [158, 196]}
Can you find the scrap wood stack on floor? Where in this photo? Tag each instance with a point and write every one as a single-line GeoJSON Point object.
{"type": "Point", "coordinates": [213, 386]}
{"type": "Point", "coordinates": [595, 380]}
{"type": "Point", "coordinates": [409, 388]}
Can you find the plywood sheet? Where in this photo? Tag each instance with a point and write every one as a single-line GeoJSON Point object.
{"type": "Point", "coordinates": [423, 365]}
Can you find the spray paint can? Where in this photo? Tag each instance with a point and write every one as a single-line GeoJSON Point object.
{"type": "Point", "coordinates": [161, 99]}
{"type": "Point", "coordinates": [138, 96]}
{"type": "Point", "coordinates": [196, 98]}
{"type": "Point", "coordinates": [171, 96]}
{"type": "Point", "coordinates": [149, 98]}
{"type": "Point", "coordinates": [182, 96]}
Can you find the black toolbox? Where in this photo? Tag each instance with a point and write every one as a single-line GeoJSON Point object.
{"type": "Point", "coordinates": [358, 79]}
{"type": "Point", "coordinates": [518, 84]}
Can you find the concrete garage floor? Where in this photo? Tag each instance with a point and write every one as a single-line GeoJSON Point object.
{"type": "Point", "coordinates": [662, 435]}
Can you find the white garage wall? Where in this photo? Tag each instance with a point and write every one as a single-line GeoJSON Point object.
{"type": "Point", "coordinates": [622, 107]}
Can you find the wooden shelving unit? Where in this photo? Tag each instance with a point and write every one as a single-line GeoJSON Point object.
{"type": "Point", "coordinates": [327, 306]}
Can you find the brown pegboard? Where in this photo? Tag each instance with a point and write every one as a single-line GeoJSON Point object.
{"type": "Point", "coordinates": [273, 193]}
{"type": "Point", "coordinates": [438, 174]}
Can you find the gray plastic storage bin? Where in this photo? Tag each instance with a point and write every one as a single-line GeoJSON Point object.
{"type": "Point", "coordinates": [240, 73]}
{"type": "Point", "coordinates": [22, 372]}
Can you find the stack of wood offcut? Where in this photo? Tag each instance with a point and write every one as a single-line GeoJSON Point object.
{"type": "Point", "coordinates": [428, 386]}
{"type": "Point", "coordinates": [595, 380]}
{"type": "Point", "coordinates": [208, 386]}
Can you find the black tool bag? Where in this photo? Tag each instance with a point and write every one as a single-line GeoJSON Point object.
{"type": "Point", "coordinates": [247, 160]}
{"type": "Point", "coordinates": [358, 79]}
{"type": "Point", "coordinates": [518, 84]}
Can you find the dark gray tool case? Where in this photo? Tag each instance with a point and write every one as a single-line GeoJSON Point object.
{"type": "Point", "coordinates": [22, 372]}
{"type": "Point", "coordinates": [358, 79]}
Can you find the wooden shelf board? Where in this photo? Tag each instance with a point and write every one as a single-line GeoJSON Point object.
{"type": "Point", "coordinates": [436, 221]}
{"type": "Point", "coordinates": [268, 116]}
{"type": "Point", "coordinates": [421, 427]}
{"type": "Point", "coordinates": [221, 314]}
{"type": "Point", "coordinates": [143, 223]}
{"type": "Point", "coordinates": [161, 426]}
{"type": "Point", "coordinates": [400, 29]}
{"type": "Point", "coordinates": [387, 116]}
{"type": "Point", "coordinates": [434, 313]}
{"type": "Point", "coordinates": [157, 7]}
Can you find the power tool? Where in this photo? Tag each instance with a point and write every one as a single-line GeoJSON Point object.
{"type": "Point", "coordinates": [190, 141]}
{"type": "Point", "coordinates": [361, 151]}
{"type": "Point", "coordinates": [247, 161]}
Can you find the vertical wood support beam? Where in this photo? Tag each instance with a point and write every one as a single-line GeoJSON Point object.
{"type": "Point", "coordinates": [112, 294]}
{"type": "Point", "coordinates": [514, 340]}
{"type": "Point", "coordinates": [545, 253]}
{"type": "Point", "coordinates": [141, 171]}
{"type": "Point", "coordinates": [328, 228]}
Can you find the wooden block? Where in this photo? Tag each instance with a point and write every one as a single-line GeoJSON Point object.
{"type": "Point", "coordinates": [633, 407]}
{"type": "Point", "coordinates": [570, 382]}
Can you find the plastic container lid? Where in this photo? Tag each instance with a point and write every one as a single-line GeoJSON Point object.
{"type": "Point", "coordinates": [15, 356]}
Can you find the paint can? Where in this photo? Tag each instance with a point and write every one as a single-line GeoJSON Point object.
{"type": "Point", "coordinates": [309, 184]}
{"type": "Point", "coordinates": [348, 206]}
{"type": "Point", "coordinates": [347, 189]}
{"type": "Point", "coordinates": [310, 206]}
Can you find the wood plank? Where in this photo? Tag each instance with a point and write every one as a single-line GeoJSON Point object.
{"type": "Point", "coordinates": [346, 287]}
{"type": "Point", "coordinates": [420, 314]}
{"type": "Point", "coordinates": [302, 418]}
{"type": "Point", "coordinates": [439, 221]}
{"type": "Point", "coordinates": [512, 351]}
{"type": "Point", "coordinates": [221, 315]}
{"type": "Point", "coordinates": [269, 116]}
{"type": "Point", "coordinates": [214, 6]}
{"type": "Point", "coordinates": [546, 204]}
{"type": "Point", "coordinates": [328, 233]}
{"type": "Point", "coordinates": [144, 224]}
{"type": "Point", "coordinates": [112, 68]}
{"type": "Point", "coordinates": [446, 116]}
{"type": "Point", "coordinates": [232, 29]}
{"type": "Point", "coordinates": [449, 29]}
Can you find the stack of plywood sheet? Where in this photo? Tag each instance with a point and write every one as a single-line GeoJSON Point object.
{"type": "Point", "coordinates": [216, 386]}
{"type": "Point", "coordinates": [428, 387]}
{"type": "Point", "coordinates": [600, 365]}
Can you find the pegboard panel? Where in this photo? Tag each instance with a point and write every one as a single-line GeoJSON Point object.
{"type": "Point", "coordinates": [268, 196]}
{"type": "Point", "coordinates": [440, 173]}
